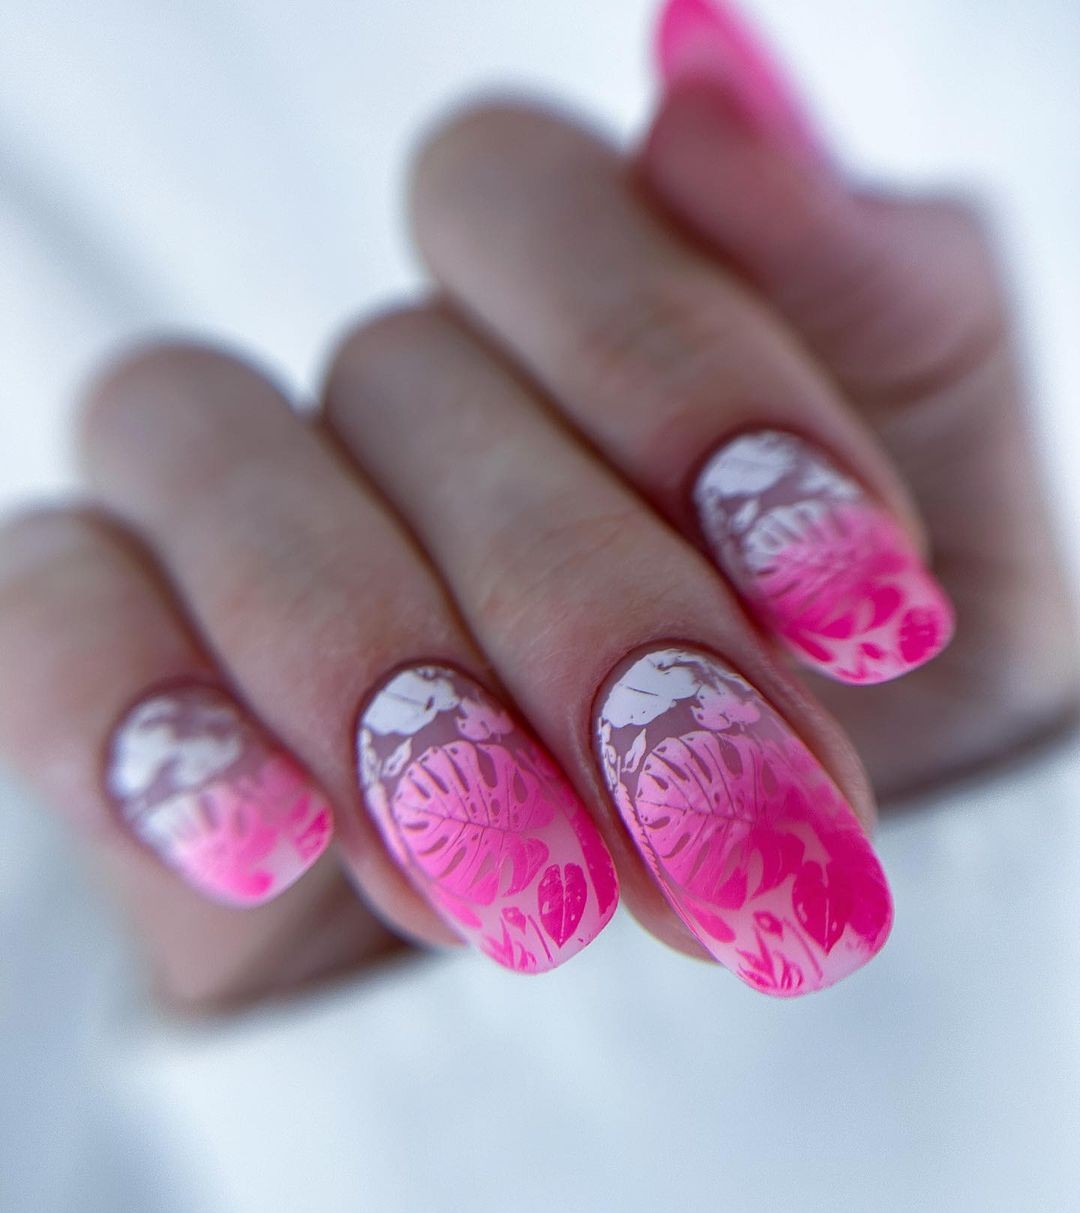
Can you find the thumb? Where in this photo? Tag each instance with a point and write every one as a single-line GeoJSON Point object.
{"type": "Point", "coordinates": [894, 295]}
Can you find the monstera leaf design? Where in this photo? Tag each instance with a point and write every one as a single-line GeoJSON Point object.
{"type": "Point", "coordinates": [561, 897]}
{"type": "Point", "coordinates": [696, 798]}
{"type": "Point", "coordinates": [823, 566]}
{"type": "Point", "coordinates": [465, 811]}
{"type": "Point", "coordinates": [822, 902]}
{"type": "Point", "coordinates": [597, 860]}
{"type": "Point", "coordinates": [221, 839]}
{"type": "Point", "coordinates": [920, 633]}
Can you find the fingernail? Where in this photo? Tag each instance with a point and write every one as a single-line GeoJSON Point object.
{"type": "Point", "coordinates": [710, 42]}
{"type": "Point", "coordinates": [480, 819]}
{"type": "Point", "coordinates": [748, 838]}
{"type": "Point", "coordinates": [218, 800]}
{"type": "Point", "coordinates": [820, 563]}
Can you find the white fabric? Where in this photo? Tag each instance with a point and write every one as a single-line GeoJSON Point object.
{"type": "Point", "coordinates": [235, 168]}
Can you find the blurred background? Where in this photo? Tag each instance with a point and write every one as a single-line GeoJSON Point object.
{"type": "Point", "coordinates": [235, 169]}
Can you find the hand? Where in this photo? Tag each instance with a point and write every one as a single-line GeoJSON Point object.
{"type": "Point", "coordinates": [902, 302]}
{"type": "Point", "coordinates": [276, 616]}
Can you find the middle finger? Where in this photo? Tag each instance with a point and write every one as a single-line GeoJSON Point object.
{"type": "Point", "coordinates": [608, 629]}
{"type": "Point", "coordinates": [682, 376]}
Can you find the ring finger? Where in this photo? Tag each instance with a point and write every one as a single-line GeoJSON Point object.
{"type": "Point", "coordinates": [315, 602]}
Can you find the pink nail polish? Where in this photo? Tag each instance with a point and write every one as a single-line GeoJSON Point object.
{"type": "Point", "coordinates": [485, 826]}
{"type": "Point", "coordinates": [708, 41]}
{"type": "Point", "coordinates": [197, 781]}
{"type": "Point", "coordinates": [821, 563]}
{"type": "Point", "coordinates": [748, 838]}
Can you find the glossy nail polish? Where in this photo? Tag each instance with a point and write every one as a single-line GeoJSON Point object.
{"type": "Point", "coordinates": [480, 819]}
{"type": "Point", "coordinates": [747, 836]}
{"type": "Point", "coordinates": [821, 564]}
{"type": "Point", "coordinates": [219, 801]}
{"type": "Point", "coordinates": [710, 42]}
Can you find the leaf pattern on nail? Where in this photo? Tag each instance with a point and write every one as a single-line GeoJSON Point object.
{"type": "Point", "coordinates": [197, 781]}
{"type": "Point", "coordinates": [747, 836]}
{"type": "Point", "coordinates": [562, 894]}
{"type": "Point", "coordinates": [824, 566]}
{"type": "Point", "coordinates": [481, 820]}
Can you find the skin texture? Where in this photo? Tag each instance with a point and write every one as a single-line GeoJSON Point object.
{"type": "Point", "coordinates": [501, 484]}
{"type": "Point", "coordinates": [902, 300]}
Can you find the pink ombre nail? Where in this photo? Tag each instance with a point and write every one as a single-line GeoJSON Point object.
{"type": "Point", "coordinates": [820, 563]}
{"type": "Point", "coordinates": [197, 781]}
{"type": "Point", "coordinates": [747, 836]}
{"type": "Point", "coordinates": [480, 819]}
{"type": "Point", "coordinates": [708, 41]}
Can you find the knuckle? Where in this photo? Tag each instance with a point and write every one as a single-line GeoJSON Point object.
{"type": "Point", "coordinates": [662, 352]}
{"type": "Point", "coordinates": [535, 577]}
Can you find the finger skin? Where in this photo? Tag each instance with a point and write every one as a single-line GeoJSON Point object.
{"type": "Point", "coordinates": [86, 629]}
{"type": "Point", "coordinates": [561, 573]}
{"type": "Point", "coordinates": [891, 294]}
{"type": "Point", "coordinates": [654, 352]}
{"type": "Point", "coordinates": [131, 722]}
{"type": "Point", "coordinates": [313, 597]}
{"type": "Point", "coordinates": [902, 299]}
{"type": "Point", "coordinates": [672, 365]}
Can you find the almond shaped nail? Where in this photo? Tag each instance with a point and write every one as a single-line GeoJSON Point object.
{"type": "Point", "coordinates": [201, 784]}
{"type": "Point", "coordinates": [710, 41]}
{"type": "Point", "coordinates": [821, 564]}
{"type": "Point", "coordinates": [488, 830]}
{"type": "Point", "coordinates": [747, 836]}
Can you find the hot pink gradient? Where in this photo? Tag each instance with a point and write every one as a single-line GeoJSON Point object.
{"type": "Point", "coordinates": [486, 827]}
{"type": "Point", "coordinates": [217, 800]}
{"type": "Point", "coordinates": [748, 838]}
{"type": "Point", "coordinates": [709, 41]}
{"type": "Point", "coordinates": [822, 564]}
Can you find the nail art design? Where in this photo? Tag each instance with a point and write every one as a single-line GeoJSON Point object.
{"type": "Point", "coordinates": [482, 822]}
{"type": "Point", "coordinates": [215, 797]}
{"type": "Point", "coordinates": [710, 41]}
{"type": "Point", "coordinates": [750, 841]}
{"type": "Point", "coordinates": [824, 566]}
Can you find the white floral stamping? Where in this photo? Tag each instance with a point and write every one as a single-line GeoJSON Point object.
{"type": "Point", "coordinates": [201, 784]}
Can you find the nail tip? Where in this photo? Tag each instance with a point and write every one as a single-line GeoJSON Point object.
{"type": "Point", "coordinates": [776, 879]}
{"type": "Point", "coordinates": [217, 800]}
{"type": "Point", "coordinates": [437, 755]}
{"type": "Point", "coordinates": [944, 624]}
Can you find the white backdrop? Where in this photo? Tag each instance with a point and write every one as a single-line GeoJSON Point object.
{"type": "Point", "coordinates": [236, 168]}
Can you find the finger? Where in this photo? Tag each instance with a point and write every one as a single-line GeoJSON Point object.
{"type": "Point", "coordinates": [90, 642]}
{"type": "Point", "coordinates": [894, 295]}
{"type": "Point", "coordinates": [901, 299]}
{"type": "Point", "coordinates": [607, 628]}
{"type": "Point", "coordinates": [193, 776]}
{"type": "Point", "coordinates": [316, 602]}
{"type": "Point", "coordinates": [682, 377]}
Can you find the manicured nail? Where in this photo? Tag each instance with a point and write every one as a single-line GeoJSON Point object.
{"type": "Point", "coordinates": [709, 41]}
{"type": "Point", "coordinates": [748, 838]}
{"type": "Point", "coordinates": [485, 826]}
{"type": "Point", "coordinates": [820, 563]}
{"type": "Point", "coordinates": [220, 802]}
